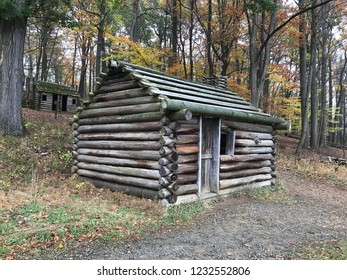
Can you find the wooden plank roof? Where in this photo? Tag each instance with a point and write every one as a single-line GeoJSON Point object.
{"type": "Point", "coordinates": [199, 98]}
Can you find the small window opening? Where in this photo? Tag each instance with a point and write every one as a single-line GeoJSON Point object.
{"type": "Point", "coordinates": [74, 101]}
{"type": "Point", "coordinates": [227, 142]}
{"type": "Point", "coordinates": [44, 97]}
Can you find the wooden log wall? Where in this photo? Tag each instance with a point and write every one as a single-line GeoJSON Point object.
{"type": "Point", "coordinates": [117, 138]}
{"type": "Point", "coordinates": [253, 159]}
{"type": "Point", "coordinates": [179, 151]}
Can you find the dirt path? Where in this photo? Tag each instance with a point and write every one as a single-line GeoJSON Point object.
{"type": "Point", "coordinates": [241, 228]}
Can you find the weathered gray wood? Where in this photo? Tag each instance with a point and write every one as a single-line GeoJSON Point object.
{"type": "Point", "coordinates": [122, 110]}
{"type": "Point", "coordinates": [246, 172]}
{"type": "Point", "coordinates": [120, 127]}
{"type": "Point", "coordinates": [166, 131]}
{"type": "Point", "coordinates": [243, 158]}
{"type": "Point", "coordinates": [193, 120]}
{"type": "Point", "coordinates": [186, 149]}
{"type": "Point", "coordinates": [187, 158]}
{"type": "Point", "coordinates": [255, 185]}
{"type": "Point", "coordinates": [165, 161]}
{"type": "Point", "coordinates": [141, 117]}
{"type": "Point", "coordinates": [187, 198]}
{"type": "Point", "coordinates": [229, 183]}
{"type": "Point", "coordinates": [253, 150]}
{"type": "Point", "coordinates": [187, 189]}
{"type": "Point", "coordinates": [123, 102]}
{"type": "Point", "coordinates": [153, 136]}
{"type": "Point", "coordinates": [165, 120]}
{"type": "Point", "coordinates": [118, 95]}
{"type": "Point", "coordinates": [163, 193]}
{"type": "Point", "coordinates": [247, 126]}
{"type": "Point", "coordinates": [187, 168]}
{"type": "Point", "coordinates": [187, 139]}
{"type": "Point", "coordinates": [166, 141]}
{"type": "Point", "coordinates": [165, 151]}
{"type": "Point", "coordinates": [188, 129]}
{"type": "Point", "coordinates": [143, 154]}
{"type": "Point", "coordinates": [254, 143]}
{"type": "Point", "coordinates": [183, 179]}
{"type": "Point", "coordinates": [124, 180]}
{"type": "Point", "coordinates": [119, 170]}
{"type": "Point", "coordinates": [131, 190]}
{"type": "Point", "coordinates": [225, 167]}
{"type": "Point", "coordinates": [172, 187]}
{"type": "Point", "coordinates": [118, 86]}
{"type": "Point", "coordinates": [119, 162]}
{"type": "Point", "coordinates": [183, 114]}
{"type": "Point", "coordinates": [168, 169]}
{"type": "Point", "coordinates": [126, 145]}
{"type": "Point", "coordinates": [253, 135]}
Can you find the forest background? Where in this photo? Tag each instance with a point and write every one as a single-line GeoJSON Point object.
{"type": "Point", "coordinates": [287, 57]}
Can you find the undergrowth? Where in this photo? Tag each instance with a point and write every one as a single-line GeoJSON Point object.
{"type": "Point", "coordinates": [324, 250]}
{"type": "Point", "coordinates": [44, 207]}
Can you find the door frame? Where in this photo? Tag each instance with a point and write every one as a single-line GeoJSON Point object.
{"type": "Point", "coordinates": [215, 130]}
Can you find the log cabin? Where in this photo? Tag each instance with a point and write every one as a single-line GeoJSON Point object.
{"type": "Point", "coordinates": [156, 136]}
{"type": "Point", "coordinates": [51, 97]}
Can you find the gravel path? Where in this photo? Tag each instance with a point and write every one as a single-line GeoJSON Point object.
{"type": "Point", "coordinates": [241, 228]}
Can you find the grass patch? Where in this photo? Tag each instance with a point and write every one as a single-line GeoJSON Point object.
{"type": "Point", "coordinates": [327, 250]}
{"type": "Point", "coordinates": [276, 193]}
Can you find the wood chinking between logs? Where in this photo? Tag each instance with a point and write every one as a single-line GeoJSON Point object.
{"type": "Point", "coordinates": [140, 133]}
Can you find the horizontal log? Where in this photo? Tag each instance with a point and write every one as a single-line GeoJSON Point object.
{"type": "Point", "coordinates": [119, 162]}
{"type": "Point", "coordinates": [126, 145]}
{"type": "Point", "coordinates": [143, 154]}
{"type": "Point", "coordinates": [164, 182]}
{"type": "Point", "coordinates": [255, 185]}
{"type": "Point", "coordinates": [225, 167]}
{"type": "Point", "coordinates": [130, 190]}
{"type": "Point", "coordinates": [229, 183]}
{"type": "Point", "coordinates": [187, 139]}
{"type": "Point", "coordinates": [187, 158]}
{"type": "Point", "coordinates": [173, 157]}
{"type": "Point", "coordinates": [118, 86]}
{"type": "Point", "coordinates": [187, 129]}
{"type": "Point", "coordinates": [122, 102]}
{"type": "Point", "coordinates": [216, 111]}
{"type": "Point", "coordinates": [120, 127]}
{"type": "Point", "coordinates": [253, 143]}
{"type": "Point", "coordinates": [141, 117]}
{"type": "Point", "coordinates": [165, 120]}
{"type": "Point", "coordinates": [243, 158]}
{"type": "Point", "coordinates": [186, 149]}
{"type": "Point", "coordinates": [183, 114]}
{"type": "Point", "coordinates": [183, 179]}
{"type": "Point", "coordinates": [152, 136]}
{"type": "Point", "coordinates": [125, 180]}
{"type": "Point", "coordinates": [187, 168]}
{"type": "Point", "coordinates": [119, 170]}
{"type": "Point", "coordinates": [243, 173]}
{"type": "Point", "coordinates": [187, 189]}
{"type": "Point", "coordinates": [173, 126]}
{"type": "Point", "coordinates": [253, 150]}
{"type": "Point", "coordinates": [119, 95]}
{"type": "Point", "coordinates": [122, 110]}
{"type": "Point", "coordinates": [247, 126]}
{"type": "Point", "coordinates": [252, 135]}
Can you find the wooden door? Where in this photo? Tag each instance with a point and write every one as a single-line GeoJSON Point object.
{"type": "Point", "coordinates": [209, 155]}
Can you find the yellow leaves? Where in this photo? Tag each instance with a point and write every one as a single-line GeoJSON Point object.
{"type": "Point", "coordinates": [124, 48]}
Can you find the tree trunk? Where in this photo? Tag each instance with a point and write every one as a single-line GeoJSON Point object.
{"type": "Point", "coordinates": [12, 40]}
{"type": "Point", "coordinates": [313, 81]}
{"type": "Point", "coordinates": [101, 40]}
{"type": "Point", "coordinates": [303, 81]}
